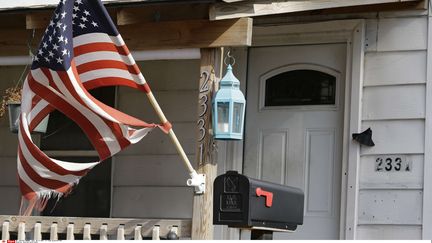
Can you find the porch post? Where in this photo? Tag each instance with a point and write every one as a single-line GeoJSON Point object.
{"type": "Point", "coordinates": [202, 219]}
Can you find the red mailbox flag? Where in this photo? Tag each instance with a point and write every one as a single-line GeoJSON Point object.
{"type": "Point", "coordinates": [81, 50]}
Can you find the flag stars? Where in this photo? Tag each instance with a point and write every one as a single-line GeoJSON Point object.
{"type": "Point", "coordinates": [74, 16]}
{"type": "Point", "coordinates": [55, 47]}
{"type": "Point", "coordinates": [40, 52]}
{"type": "Point", "coordinates": [82, 25]}
{"type": "Point", "coordinates": [94, 24]}
{"type": "Point", "coordinates": [57, 15]}
{"type": "Point", "coordinates": [66, 41]}
{"type": "Point", "coordinates": [51, 54]}
{"type": "Point", "coordinates": [51, 23]}
{"type": "Point", "coordinates": [84, 19]}
{"type": "Point", "coordinates": [79, 1]}
{"type": "Point", "coordinates": [64, 52]}
{"type": "Point", "coordinates": [50, 38]}
{"type": "Point", "coordinates": [59, 24]}
{"type": "Point", "coordinates": [64, 27]}
{"type": "Point", "coordinates": [47, 59]}
{"type": "Point", "coordinates": [60, 38]}
{"type": "Point", "coordinates": [45, 45]}
{"type": "Point", "coordinates": [59, 60]}
{"type": "Point", "coordinates": [76, 8]}
{"type": "Point", "coordinates": [63, 14]}
{"type": "Point", "coordinates": [87, 13]}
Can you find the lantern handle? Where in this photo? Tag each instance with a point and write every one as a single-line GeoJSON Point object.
{"type": "Point", "coordinates": [229, 58]}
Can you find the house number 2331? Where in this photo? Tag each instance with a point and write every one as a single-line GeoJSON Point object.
{"type": "Point", "coordinates": [392, 164]}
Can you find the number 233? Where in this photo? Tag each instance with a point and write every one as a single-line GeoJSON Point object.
{"type": "Point", "coordinates": [388, 164]}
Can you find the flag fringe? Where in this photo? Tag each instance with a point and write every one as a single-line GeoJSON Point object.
{"type": "Point", "coordinates": [40, 200]}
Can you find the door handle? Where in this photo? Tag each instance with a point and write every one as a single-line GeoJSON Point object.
{"type": "Point", "coordinates": [268, 195]}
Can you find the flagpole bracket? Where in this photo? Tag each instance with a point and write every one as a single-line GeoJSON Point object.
{"type": "Point", "coordinates": [198, 181]}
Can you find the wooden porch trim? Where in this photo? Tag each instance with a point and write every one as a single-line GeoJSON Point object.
{"type": "Point", "coordinates": [255, 8]}
{"type": "Point", "coordinates": [150, 36]}
{"type": "Point", "coordinates": [211, 72]}
{"type": "Point", "coordinates": [117, 227]}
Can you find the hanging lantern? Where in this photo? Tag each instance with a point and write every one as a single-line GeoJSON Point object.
{"type": "Point", "coordinates": [229, 108]}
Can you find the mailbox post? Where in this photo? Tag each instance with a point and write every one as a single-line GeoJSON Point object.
{"type": "Point", "coordinates": [263, 207]}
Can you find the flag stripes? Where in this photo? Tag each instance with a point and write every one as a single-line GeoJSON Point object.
{"type": "Point", "coordinates": [72, 59]}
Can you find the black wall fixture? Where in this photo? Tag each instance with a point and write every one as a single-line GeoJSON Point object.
{"type": "Point", "coordinates": [364, 138]}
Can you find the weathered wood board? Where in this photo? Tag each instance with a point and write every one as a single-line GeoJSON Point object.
{"type": "Point", "coordinates": [150, 36]}
{"type": "Point", "coordinates": [188, 34]}
{"type": "Point", "coordinates": [211, 71]}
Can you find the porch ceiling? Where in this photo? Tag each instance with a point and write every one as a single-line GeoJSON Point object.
{"type": "Point", "coordinates": [253, 8]}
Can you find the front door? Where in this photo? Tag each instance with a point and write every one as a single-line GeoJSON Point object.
{"type": "Point", "coordinates": [294, 128]}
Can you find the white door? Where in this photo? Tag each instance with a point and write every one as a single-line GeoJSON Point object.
{"type": "Point", "coordinates": [294, 127]}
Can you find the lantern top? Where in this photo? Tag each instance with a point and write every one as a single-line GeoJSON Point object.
{"type": "Point", "coordinates": [229, 80]}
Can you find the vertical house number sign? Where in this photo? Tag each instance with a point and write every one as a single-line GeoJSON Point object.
{"type": "Point", "coordinates": [204, 114]}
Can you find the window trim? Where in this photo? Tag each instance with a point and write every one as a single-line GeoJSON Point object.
{"type": "Point", "coordinates": [301, 66]}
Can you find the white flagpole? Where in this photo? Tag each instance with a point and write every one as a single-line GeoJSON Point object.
{"type": "Point", "coordinates": [196, 180]}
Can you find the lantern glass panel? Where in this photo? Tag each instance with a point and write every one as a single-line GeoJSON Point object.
{"type": "Point", "coordinates": [237, 117]}
{"type": "Point", "coordinates": [223, 117]}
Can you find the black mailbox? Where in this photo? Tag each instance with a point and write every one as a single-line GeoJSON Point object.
{"type": "Point", "coordinates": [243, 202]}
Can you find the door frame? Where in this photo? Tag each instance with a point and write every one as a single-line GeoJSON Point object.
{"type": "Point", "coordinates": [351, 32]}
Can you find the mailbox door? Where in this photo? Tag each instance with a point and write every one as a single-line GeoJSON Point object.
{"type": "Point", "coordinates": [231, 200]}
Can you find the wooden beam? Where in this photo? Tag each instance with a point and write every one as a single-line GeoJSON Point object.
{"type": "Point", "coordinates": [202, 219]}
{"type": "Point", "coordinates": [171, 34]}
{"type": "Point", "coordinates": [14, 42]}
{"type": "Point", "coordinates": [220, 11]}
{"type": "Point", "coordinates": [41, 19]}
{"type": "Point", "coordinates": [155, 36]}
{"type": "Point", "coordinates": [188, 34]}
{"type": "Point", "coordinates": [38, 20]}
{"type": "Point", "coordinates": [162, 13]}
{"type": "Point", "coordinates": [33, 4]}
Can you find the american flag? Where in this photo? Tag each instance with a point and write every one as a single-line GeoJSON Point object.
{"type": "Point", "coordinates": [80, 50]}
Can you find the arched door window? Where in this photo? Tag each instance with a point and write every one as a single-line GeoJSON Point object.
{"type": "Point", "coordinates": [300, 87]}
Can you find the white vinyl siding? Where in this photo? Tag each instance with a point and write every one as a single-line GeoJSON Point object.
{"type": "Point", "coordinates": [149, 179]}
{"type": "Point", "coordinates": [9, 190]}
{"type": "Point", "coordinates": [394, 106]}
